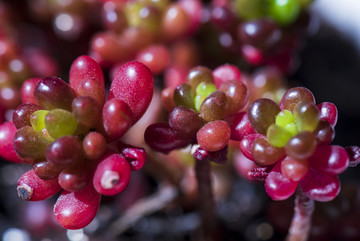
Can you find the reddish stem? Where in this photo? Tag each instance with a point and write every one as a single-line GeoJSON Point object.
{"type": "Point", "coordinates": [301, 222]}
{"type": "Point", "coordinates": [206, 203]}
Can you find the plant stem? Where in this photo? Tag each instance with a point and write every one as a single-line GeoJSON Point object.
{"type": "Point", "coordinates": [301, 222]}
{"type": "Point", "coordinates": [206, 203]}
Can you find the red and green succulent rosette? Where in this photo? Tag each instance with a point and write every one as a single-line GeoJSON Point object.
{"type": "Point", "coordinates": [200, 112]}
{"type": "Point", "coordinates": [292, 143]}
{"type": "Point", "coordinates": [70, 134]}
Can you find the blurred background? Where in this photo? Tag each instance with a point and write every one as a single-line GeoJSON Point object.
{"type": "Point", "coordinates": [328, 64]}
